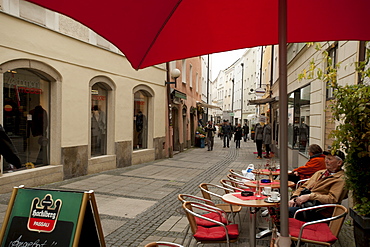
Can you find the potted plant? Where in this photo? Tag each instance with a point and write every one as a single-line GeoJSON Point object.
{"type": "Point", "coordinates": [200, 136]}
{"type": "Point", "coordinates": [350, 109]}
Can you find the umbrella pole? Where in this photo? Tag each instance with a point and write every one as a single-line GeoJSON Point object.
{"type": "Point", "coordinates": [283, 120]}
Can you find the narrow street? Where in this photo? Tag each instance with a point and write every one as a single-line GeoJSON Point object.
{"type": "Point", "coordinates": [138, 204]}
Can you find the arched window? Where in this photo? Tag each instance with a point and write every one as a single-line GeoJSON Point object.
{"type": "Point", "coordinates": [100, 119]}
{"type": "Point", "coordinates": [26, 112]}
{"type": "Point", "coordinates": [140, 138]}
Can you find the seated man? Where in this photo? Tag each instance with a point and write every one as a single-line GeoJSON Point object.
{"type": "Point", "coordinates": [324, 187]}
{"type": "Point", "coordinates": [314, 164]}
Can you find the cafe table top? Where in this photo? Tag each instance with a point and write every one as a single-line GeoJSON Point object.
{"type": "Point", "coordinates": [266, 172]}
{"type": "Point", "coordinates": [273, 184]}
{"type": "Point", "coordinates": [232, 199]}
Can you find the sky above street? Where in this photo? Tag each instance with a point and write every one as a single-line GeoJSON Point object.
{"type": "Point", "coordinates": [223, 60]}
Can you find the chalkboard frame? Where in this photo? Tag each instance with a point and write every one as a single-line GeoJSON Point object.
{"type": "Point", "coordinates": [83, 224]}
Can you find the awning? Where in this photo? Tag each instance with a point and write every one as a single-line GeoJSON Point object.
{"type": "Point", "coordinates": [209, 106]}
{"type": "Point", "coordinates": [263, 101]}
{"type": "Point", "coordinates": [178, 94]}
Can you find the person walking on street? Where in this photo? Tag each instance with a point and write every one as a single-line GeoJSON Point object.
{"type": "Point", "coordinates": [245, 132]}
{"type": "Point", "coordinates": [259, 139]}
{"type": "Point", "coordinates": [226, 130]}
{"type": "Point", "coordinates": [267, 138]}
{"type": "Point", "coordinates": [210, 130]}
{"type": "Point", "coordinates": [238, 135]}
{"type": "Point", "coordinates": [231, 131]}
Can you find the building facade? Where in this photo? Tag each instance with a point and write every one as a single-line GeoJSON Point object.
{"type": "Point", "coordinates": [71, 103]}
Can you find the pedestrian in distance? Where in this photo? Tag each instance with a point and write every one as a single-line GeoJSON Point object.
{"type": "Point", "coordinates": [232, 128]}
{"type": "Point", "coordinates": [245, 132]}
{"type": "Point", "coordinates": [267, 130]}
{"type": "Point", "coordinates": [238, 135]}
{"type": "Point", "coordinates": [226, 130]}
{"type": "Point", "coordinates": [259, 139]}
{"type": "Point", "coordinates": [210, 131]}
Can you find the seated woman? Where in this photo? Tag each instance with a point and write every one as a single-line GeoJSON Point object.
{"type": "Point", "coordinates": [314, 164]}
{"type": "Point", "coordinates": [324, 187]}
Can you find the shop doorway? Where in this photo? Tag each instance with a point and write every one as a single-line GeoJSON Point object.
{"type": "Point", "coordinates": [175, 127]}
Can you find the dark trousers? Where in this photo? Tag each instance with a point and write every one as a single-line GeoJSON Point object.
{"type": "Point", "coordinates": [293, 178]}
{"type": "Point", "coordinates": [245, 137]}
{"type": "Point", "coordinates": [226, 140]}
{"type": "Point", "coordinates": [237, 143]}
{"type": "Point", "coordinates": [268, 149]}
{"type": "Point", "coordinates": [210, 141]}
{"type": "Point", "coordinates": [259, 147]}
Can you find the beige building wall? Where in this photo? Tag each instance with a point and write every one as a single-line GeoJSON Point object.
{"type": "Point", "coordinates": [74, 63]}
{"type": "Point", "coordinates": [320, 124]}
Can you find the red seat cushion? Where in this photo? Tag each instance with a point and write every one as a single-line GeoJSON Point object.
{"type": "Point", "coordinates": [216, 233]}
{"type": "Point", "coordinates": [317, 232]}
{"type": "Point", "coordinates": [213, 216]}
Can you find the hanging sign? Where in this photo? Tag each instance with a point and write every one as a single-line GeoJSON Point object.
{"type": "Point", "coordinates": [260, 92]}
{"type": "Point", "coordinates": [51, 218]}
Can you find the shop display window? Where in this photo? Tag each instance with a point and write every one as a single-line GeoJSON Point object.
{"type": "Point", "coordinates": [140, 130]}
{"type": "Point", "coordinates": [299, 119]}
{"type": "Point", "coordinates": [99, 94]}
{"type": "Point", "coordinates": [26, 116]}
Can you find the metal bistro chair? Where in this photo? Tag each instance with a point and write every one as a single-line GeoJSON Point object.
{"type": "Point", "coordinates": [208, 194]}
{"type": "Point", "coordinates": [162, 243]}
{"type": "Point", "coordinates": [300, 182]}
{"type": "Point", "coordinates": [235, 186]}
{"type": "Point", "coordinates": [212, 215]}
{"type": "Point", "coordinates": [322, 232]}
{"type": "Point", "coordinates": [223, 233]}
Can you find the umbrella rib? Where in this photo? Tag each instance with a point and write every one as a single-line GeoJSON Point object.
{"type": "Point", "coordinates": [159, 31]}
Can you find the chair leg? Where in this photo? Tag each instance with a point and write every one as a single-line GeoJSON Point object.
{"type": "Point", "coordinates": [186, 233]}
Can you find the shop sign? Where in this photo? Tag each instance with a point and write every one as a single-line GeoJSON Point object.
{"type": "Point", "coordinates": [16, 80]}
{"type": "Point", "coordinates": [98, 97]}
{"type": "Point", "coordinates": [51, 218]}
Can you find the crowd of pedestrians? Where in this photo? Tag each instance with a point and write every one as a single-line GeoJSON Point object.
{"type": "Point", "coordinates": [261, 134]}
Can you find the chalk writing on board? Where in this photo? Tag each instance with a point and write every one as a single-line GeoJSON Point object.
{"type": "Point", "coordinates": [36, 243]}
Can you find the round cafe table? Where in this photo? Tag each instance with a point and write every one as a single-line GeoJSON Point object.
{"type": "Point", "coordinates": [237, 199]}
{"type": "Point", "coordinates": [274, 184]}
{"type": "Point", "coordinates": [267, 172]}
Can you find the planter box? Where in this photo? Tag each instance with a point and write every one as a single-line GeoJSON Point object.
{"type": "Point", "coordinates": [361, 229]}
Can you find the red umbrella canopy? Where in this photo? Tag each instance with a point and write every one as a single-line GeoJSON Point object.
{"type": "Point", "coordinates": [149, 32]}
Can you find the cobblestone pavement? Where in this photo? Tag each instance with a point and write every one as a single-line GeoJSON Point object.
{"type": "Point", "coordinates": [138, 204]}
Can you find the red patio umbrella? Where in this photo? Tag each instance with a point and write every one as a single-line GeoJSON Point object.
{"type": "Point", "coordinates": [149, 32]}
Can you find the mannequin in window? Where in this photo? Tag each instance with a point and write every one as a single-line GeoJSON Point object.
{"type": "Point", "coordinates": [98, 130]}
{"type": "Point", "coordinates": [139, 125]}
{"type": "Point", "coordinates": [39, 125]}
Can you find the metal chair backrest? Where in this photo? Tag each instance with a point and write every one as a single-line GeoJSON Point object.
{"type": "Point", "coordinates": [300, 182]}
{"type": "Point", "coordinates": [229, 184]}
{"type": "Point", "coordinates": [335, 221]}
{"type": "Point", "coordinates": [162, 243]}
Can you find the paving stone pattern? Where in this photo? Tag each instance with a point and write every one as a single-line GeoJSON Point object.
{"type": "Point", "coordinates": [138, 204]}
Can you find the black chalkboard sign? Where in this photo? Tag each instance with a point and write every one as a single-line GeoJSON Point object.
{"type": "Point", "coordinates": [51, 218]}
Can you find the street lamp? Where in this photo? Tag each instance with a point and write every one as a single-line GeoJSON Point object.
{"type": "Point", "coordinates": [232, 103]}
{"type": "Point", "coordinates": [175, 73]}
{"type": "Point", "coordinates": [241, 108]}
